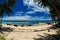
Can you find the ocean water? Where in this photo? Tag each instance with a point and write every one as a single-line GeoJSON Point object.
{"type": "Point", "coordinates": [20, 22]}
{"type": "Point", "coordinates": [24, 22]}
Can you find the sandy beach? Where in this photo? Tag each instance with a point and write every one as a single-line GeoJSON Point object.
{"type": "Point", "coordinates": [29, 32]}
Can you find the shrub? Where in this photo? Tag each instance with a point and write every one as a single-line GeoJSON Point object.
{"type": "Point", "coordinates": [2, 37]}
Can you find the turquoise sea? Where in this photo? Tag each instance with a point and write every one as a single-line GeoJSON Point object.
{"type": "Point", "coordinates": [24, 22]}
{"type": "Point", "coordinates": [20, 22]}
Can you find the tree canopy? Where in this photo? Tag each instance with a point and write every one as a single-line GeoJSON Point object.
{"type": "Point", "coordinates": [54, 6]}
{"type": "Point", "coordinates": [6, 6]}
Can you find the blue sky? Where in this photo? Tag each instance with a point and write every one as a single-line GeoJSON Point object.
{"type": "Point", "coordinates": [28, 10]}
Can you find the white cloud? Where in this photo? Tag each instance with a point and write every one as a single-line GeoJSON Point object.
{"type": "Point", "coordinates": [28, 2]}
{"type": "Point", "coordinates": [31, 12]}
{"type": "Point", "coordinates": [19, 12]}
{"type": "Point", "coordinates": [41, 18]}
{"type": "Point", "coordinates": [36, 7]}
{"type": "Point", "coordinates": [28, 12]}
{"type": "Point", "coordinates": [26, 17]}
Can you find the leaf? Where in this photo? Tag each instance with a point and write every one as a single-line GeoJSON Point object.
{"type": "Point", "coordinates": [11, 3]}
{"type": "Point", "coordinates": [8, 10]}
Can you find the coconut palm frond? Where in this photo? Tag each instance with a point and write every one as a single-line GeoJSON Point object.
{"type": "Point", "coordinates": [1, 9]}
{"type": "Point", "coordinates": [11, 3]}
{"type": "Point", "coordinates": [54, 6]}
{"type": "Point", "coordinates": [6, 7]}
{"type": "Point", "coordinates": [8, 10]}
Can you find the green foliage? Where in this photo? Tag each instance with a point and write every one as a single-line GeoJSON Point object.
{"type": "Point", "coordinates": [7, 7]}
{"type": "Point", "coordinates": [45, 2]}
{"type": "Point", "coordinates": [2, 37]}
{"type": "Point", "coordinates": [11, 2]}
{"type": "Point", "coordinates": [54, 7]}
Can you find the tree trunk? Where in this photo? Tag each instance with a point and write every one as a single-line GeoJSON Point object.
{"type": "Point", "coordinates": [0, 23]}
{"type": "Point", "coordinates": [58, 13]}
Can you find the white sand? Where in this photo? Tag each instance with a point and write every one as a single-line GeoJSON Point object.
{"type": "Point", "coordinates": [27, 33]}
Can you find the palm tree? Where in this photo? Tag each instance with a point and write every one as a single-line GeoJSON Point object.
{"type": "Point", "coordinates": [6, 7]}
{"type": "Point", "coordinates": [54, 6]}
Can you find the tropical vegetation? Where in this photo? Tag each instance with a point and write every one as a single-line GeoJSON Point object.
{"type": "Point", "coordinates": [6, 6]}
{"type": "Point", "coordinates": [54, 6]}
{"type": "Point", "coordinates": [2, 37]}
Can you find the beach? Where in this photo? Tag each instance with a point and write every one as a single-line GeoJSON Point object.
{"type": "Point", "coordinates": [28, 32]}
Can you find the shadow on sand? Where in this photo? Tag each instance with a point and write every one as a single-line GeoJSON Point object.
{"type": "Point", "coordinates": [48, 37]}
{"type": "Point", "coordinates": [6, 29]}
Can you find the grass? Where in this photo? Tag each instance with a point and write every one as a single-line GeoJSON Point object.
{"type": "Point", "coordinates": [2, 37]}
